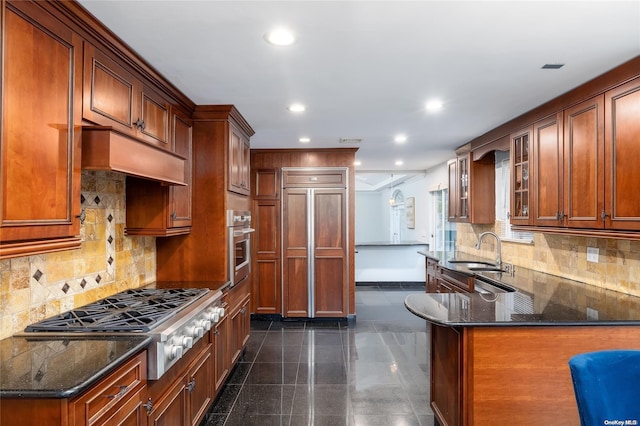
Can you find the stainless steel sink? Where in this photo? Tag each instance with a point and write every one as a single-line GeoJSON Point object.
{"type": "Point", "coordinates": [484, 287]}
{"type": "Point", "coordinates": [491, 269]}
{"type": "Point", "coordinates": [470, 263]}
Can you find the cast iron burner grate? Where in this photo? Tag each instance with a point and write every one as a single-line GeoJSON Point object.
{"type": "Point", "coordinates": [138, 310]}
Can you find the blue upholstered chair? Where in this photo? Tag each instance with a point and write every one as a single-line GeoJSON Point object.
{"type": "Point", "coordinates": [607, 387]}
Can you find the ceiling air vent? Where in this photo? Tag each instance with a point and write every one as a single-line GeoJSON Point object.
{"type": "Point", "coordinates": [350, 141]}
{"type": "Point", "coordinates": [552, 66]}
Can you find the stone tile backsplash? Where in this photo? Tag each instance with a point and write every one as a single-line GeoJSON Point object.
{"type": "Point", "coordinates": [618, 267]}
{"type": "Point", "coordinates": [36, 287]}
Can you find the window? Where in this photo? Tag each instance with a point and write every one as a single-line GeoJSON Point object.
{"type": "Point", "coordinates": [503, 227]}
{"type": "Point", "coordinates": [397, 215]}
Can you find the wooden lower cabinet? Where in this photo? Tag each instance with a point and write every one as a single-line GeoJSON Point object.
{"type": "Point", "coordinates": [513, 375]}
{"type": "Point", "coordinates": [220, 352]}
{"type": "Point", "coordinates": [432, 284]}
{"type": "Point", "coordinates": [115, 400]}
{"type": "Point", "coordinates": [188, 397]}
{"type": "Point", "coordinates": [240, 326]}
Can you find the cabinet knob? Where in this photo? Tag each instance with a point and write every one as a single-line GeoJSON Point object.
{"type": "Point", "coordinates": [82, 216]}
{"type": "Point", "coordinates": [604, 215]}
{"type": "Point", "coordinates": [148, 406]}
{"type": "Point", "coordinates": [140, 124]}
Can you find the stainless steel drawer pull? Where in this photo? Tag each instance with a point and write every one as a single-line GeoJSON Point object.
{"type": "Point", "coordinates": [122, 391]}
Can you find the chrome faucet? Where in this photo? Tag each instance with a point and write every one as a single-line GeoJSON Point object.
{"type": "Point", "coordinates": [499, 247]}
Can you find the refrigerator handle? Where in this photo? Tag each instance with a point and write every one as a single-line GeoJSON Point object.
{"type": "Point", "coordinates": [310, 252]}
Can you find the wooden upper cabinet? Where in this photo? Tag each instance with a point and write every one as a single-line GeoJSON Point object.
{"type": "Point", "coordinates": [180, 196]}
{"type": "Point", "coordinates": [266, 184]}
{"type": "Point", "coordinates": [520, 211]}
{"type": "Point", "coordinates": [239, 162]}
{"type": "Point", "coordinates": [452, 171]}
{"type": "Point", "coordinates": [584, 164]}
{"type": "Point", "coordinates": [41, 138]}
{"type": "Point", "coordinates": [546, 175]}
{"type": "Point", "coordinates": [622, 155]}
{"type": "Point", "coordinates": [472, 189]}
{"type": "Point", "coordinates": [163, 210]}
{"type": "Point", "coordinates": [114, 97]}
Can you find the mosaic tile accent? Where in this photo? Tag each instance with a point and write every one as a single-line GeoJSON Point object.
{"type": "Point", "coordinates": [36, 287]}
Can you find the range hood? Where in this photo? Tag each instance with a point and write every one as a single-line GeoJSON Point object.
{"type": "Point", "coordinates": [104, 148]}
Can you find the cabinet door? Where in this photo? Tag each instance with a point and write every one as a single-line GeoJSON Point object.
{"type": "Point", "coordinates": [220, 352]}
{"type": "Point", "coordinates": [463, 188]}
{"type": "Point", "coordinates": [239, 329]}
{"type": "Point", "coordinates": [238, 171]}
{"type": "Point", "coordinates": [584, 164]}
{"type": "Point", "coordinates": [452, 169]}
{"type": "Point", "coordinates": [622, 153]}
{"type": "Point", "coordinates": [547, 157]}
{"type": "Point", "coordinates": [110, 92]}
{"type": "Point", "coordinates": [295, 234]}
{"type": "Point", "coordinates": [267, 184]}
{"type": "Point", "coordinates": [171, 409]}
{"type": "Point", "coordinates": [266, 254]}
{"type": "Point", "coordinates": [520, 185]}
{"type": "Point", "coordinates": [330, 279]}
{"type": "Point", "coordinates": [180, 196]}
{"type": "Point", "coordinates": [41, 138]}
{"type": "Point", "coordinates": [199, 387]}
{"type": "Point", "coordinates": [153, 118]}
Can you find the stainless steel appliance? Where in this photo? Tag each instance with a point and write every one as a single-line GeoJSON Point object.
{"type": "Point", "coordinates": [239, 224]}
{"type": "Point", "coordinates": [174, 318]}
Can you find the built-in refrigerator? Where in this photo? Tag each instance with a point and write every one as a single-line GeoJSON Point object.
{"type": "Point", "coordinates": [315, 242]}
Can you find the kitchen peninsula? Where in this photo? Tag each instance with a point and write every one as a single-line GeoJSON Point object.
{"type": "Point", "coordinates": [501, 357]}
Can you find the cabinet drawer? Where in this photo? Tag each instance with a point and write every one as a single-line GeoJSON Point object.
{"type": "Point", "coordinates": [458, 279]}
{"type": "Point", "coordinates": [314, 178]}
{"type": "Point", "coordinates": [113, 391]}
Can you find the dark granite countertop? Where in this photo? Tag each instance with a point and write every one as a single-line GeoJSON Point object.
{"type": "Point", "coordinates": [391, 243]}
{"type": "Point", "coordinates": [539, 299]}
{"type": "Point", "coordinates": [61, 367]}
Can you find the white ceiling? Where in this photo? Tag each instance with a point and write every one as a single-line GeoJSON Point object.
{"type": "Point", "coordinates": [365, 69]}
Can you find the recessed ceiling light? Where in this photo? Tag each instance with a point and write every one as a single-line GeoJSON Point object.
{"type": "Point", "coordinates": [434, 105]}
{"type": "Point", "coordinates": [400, 139]}
{"type": "Point", "coordinates": [296, 108]}
{"type": "Point", "coordinates": [358, 163]}
{"type": "Point", "coordinates": [304, 140]}
{"type": "Point", "coordinates": [280, 37]}
{"type": "Point", "coordinates": [399, 163]}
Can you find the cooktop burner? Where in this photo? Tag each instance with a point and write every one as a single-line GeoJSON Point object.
{"type": "Point", "coordinates": [138, 310]}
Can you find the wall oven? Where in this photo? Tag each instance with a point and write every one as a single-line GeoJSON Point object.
{"type": "Point", "coordinates": [239, 224]}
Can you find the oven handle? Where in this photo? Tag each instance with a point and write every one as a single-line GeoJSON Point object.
{"type": "Point", "coordinates": [242, 232]}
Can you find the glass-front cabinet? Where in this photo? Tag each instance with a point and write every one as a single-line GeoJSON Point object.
{"type": "Point", "coordinates": [520, 187]}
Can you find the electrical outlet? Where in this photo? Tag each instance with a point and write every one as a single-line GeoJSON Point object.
{"type": "Point", "coordinates": [592, 314]}
{"type": "Point", "coordinates": [592, 254]}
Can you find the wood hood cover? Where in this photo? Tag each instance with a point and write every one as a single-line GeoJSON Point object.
{"type": "Point", "coordinates": [104, 148]}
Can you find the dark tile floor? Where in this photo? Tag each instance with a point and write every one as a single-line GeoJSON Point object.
{"type": "Point", "coordinates": [372, 371]}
